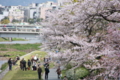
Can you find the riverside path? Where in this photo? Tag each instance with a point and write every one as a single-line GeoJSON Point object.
{"type": "Point", "coordinates": [52, 75]}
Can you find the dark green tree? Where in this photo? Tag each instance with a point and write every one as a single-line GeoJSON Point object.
{"type": "Point", "coordinates": [14, 20]}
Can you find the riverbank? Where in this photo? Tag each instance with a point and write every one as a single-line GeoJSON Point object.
{"type": "Point", "coordinates": [22, 42]}
{"type": "Point", "coordinates": [10, 75]}
{"type": "Point", "coordinates": [6, 70]}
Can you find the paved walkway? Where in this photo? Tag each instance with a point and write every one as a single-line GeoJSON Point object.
{"type": "Point", "coordinates": [52, 75]}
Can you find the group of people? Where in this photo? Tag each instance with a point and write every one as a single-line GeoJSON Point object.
{"type": "Point", "coordinates": [23, 64]}
{"type": "Point", "coordinates": [36, 66]}
{"type": "Point", "coordinates": [12, 62]}
{"type": "Point", "coordinates": [34, 62]}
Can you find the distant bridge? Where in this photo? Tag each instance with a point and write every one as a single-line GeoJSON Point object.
{"type": "Point", "coordinates": [20, 31]}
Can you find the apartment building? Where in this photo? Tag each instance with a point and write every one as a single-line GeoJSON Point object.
{"type": "Point", "coordinates": [34, 10]}
{"type": "Point", "coordinates": [3, 12]}
{"type": "Point", "coordinates": [48, 6]}
{"type": "Point", "coordinates": [15, 12]}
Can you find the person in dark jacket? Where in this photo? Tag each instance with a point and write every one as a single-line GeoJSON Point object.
{"type": "Point", "coordinates": [29, 63]}
{"type": "Point", "coordinates": [21, 65]}
{"type": "Point", "coordinates": [39, 72]}
{"type": "Point", "coordinates": [10, 64]}
{"type": "Point", "coordinates": [46, 72]}
{"type": "Point", "coordinates": [24, 64]}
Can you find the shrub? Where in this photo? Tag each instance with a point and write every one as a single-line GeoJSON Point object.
{"type": "Point", "coordinates": [70, 74]}
{"type": "Point", "coordinates": [81, 73]}
{"type": "Point", "coordinates": [77, 74]}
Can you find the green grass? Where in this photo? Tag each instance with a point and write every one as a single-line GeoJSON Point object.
{"type": "Point", "coordinates": [12, 50]}
{"type": "Point", "coordinates": [3, 49]}
{"type": "Point", "coordinates": [4, 66]}
{"type": "Point", "coordinates": [63, 73]}
{"type": "Point", "coordinates": [18, 39]}
{"type": "Point", "coordinates": [20, 46]}
{"type": "Point", "coordinates": [13, 39]}
{"type": "Point", "coordinates": [25, 46]}
{"type": "Point", "coordinates": [25, 75]}
{"type": "Point", "coordinates": [17, 74]}
{"type": "Point", "coordinates": [12, 54]}
{"type": "Point", "coordinates": [52, 65]}
{"type": "Point", "coordinates": [1, 40]}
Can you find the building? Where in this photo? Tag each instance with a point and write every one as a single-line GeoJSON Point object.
{"type": "Point", "coordinates": [36, 10]}
{"type": "Point", "coordinates": [48, 6]}
{"type": "Point", "coordinates": [3, 12]}
{"type": "Point", "coordinates": [32, 11]}
{"type": "Point", "coordinates": [15, 12]}
{"type": "Point", "coordinates": [61, 2]}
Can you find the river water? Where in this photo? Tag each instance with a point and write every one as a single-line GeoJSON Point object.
{"type": "Point", "coordinates": [2, 62]}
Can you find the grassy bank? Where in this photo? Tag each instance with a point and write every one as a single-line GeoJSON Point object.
{"type": "Point", "coordinates": [3, 67]}
{"type": "Point", "coordinates": [17, 74]}
{"type": "Point", "coordinates": [12, 50]}
{"type": "Point", "coordinates": [13, 39]}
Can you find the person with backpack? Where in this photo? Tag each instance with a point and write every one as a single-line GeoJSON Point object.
{"type": "Point", "coordinates": [29, 64]}
{"type": "Point", "coordinates": [46, 72]}
{"type": "Point", "coordinates": [58, 72]}
{"type": "Point", "coordinates": [39, 72]}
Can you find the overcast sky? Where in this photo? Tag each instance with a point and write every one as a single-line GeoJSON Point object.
{"type": "Point", "coordinates": [21, 2]}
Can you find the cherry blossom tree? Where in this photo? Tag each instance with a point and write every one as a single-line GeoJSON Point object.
{"type": "Point", "coordinates": [87, 32]}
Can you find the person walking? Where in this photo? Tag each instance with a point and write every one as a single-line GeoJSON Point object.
{"type": "Point", "coordinates": [46, 72]}
{"type": "Point", "coordinates": [58, 72]}
{"type": "Point", "coordinates": [39, 72]}
{"type": "Point", "coordinates": [10, 63]}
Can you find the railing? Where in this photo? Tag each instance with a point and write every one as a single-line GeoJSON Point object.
{"type": "Point", "coordinates": [19, 30]}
